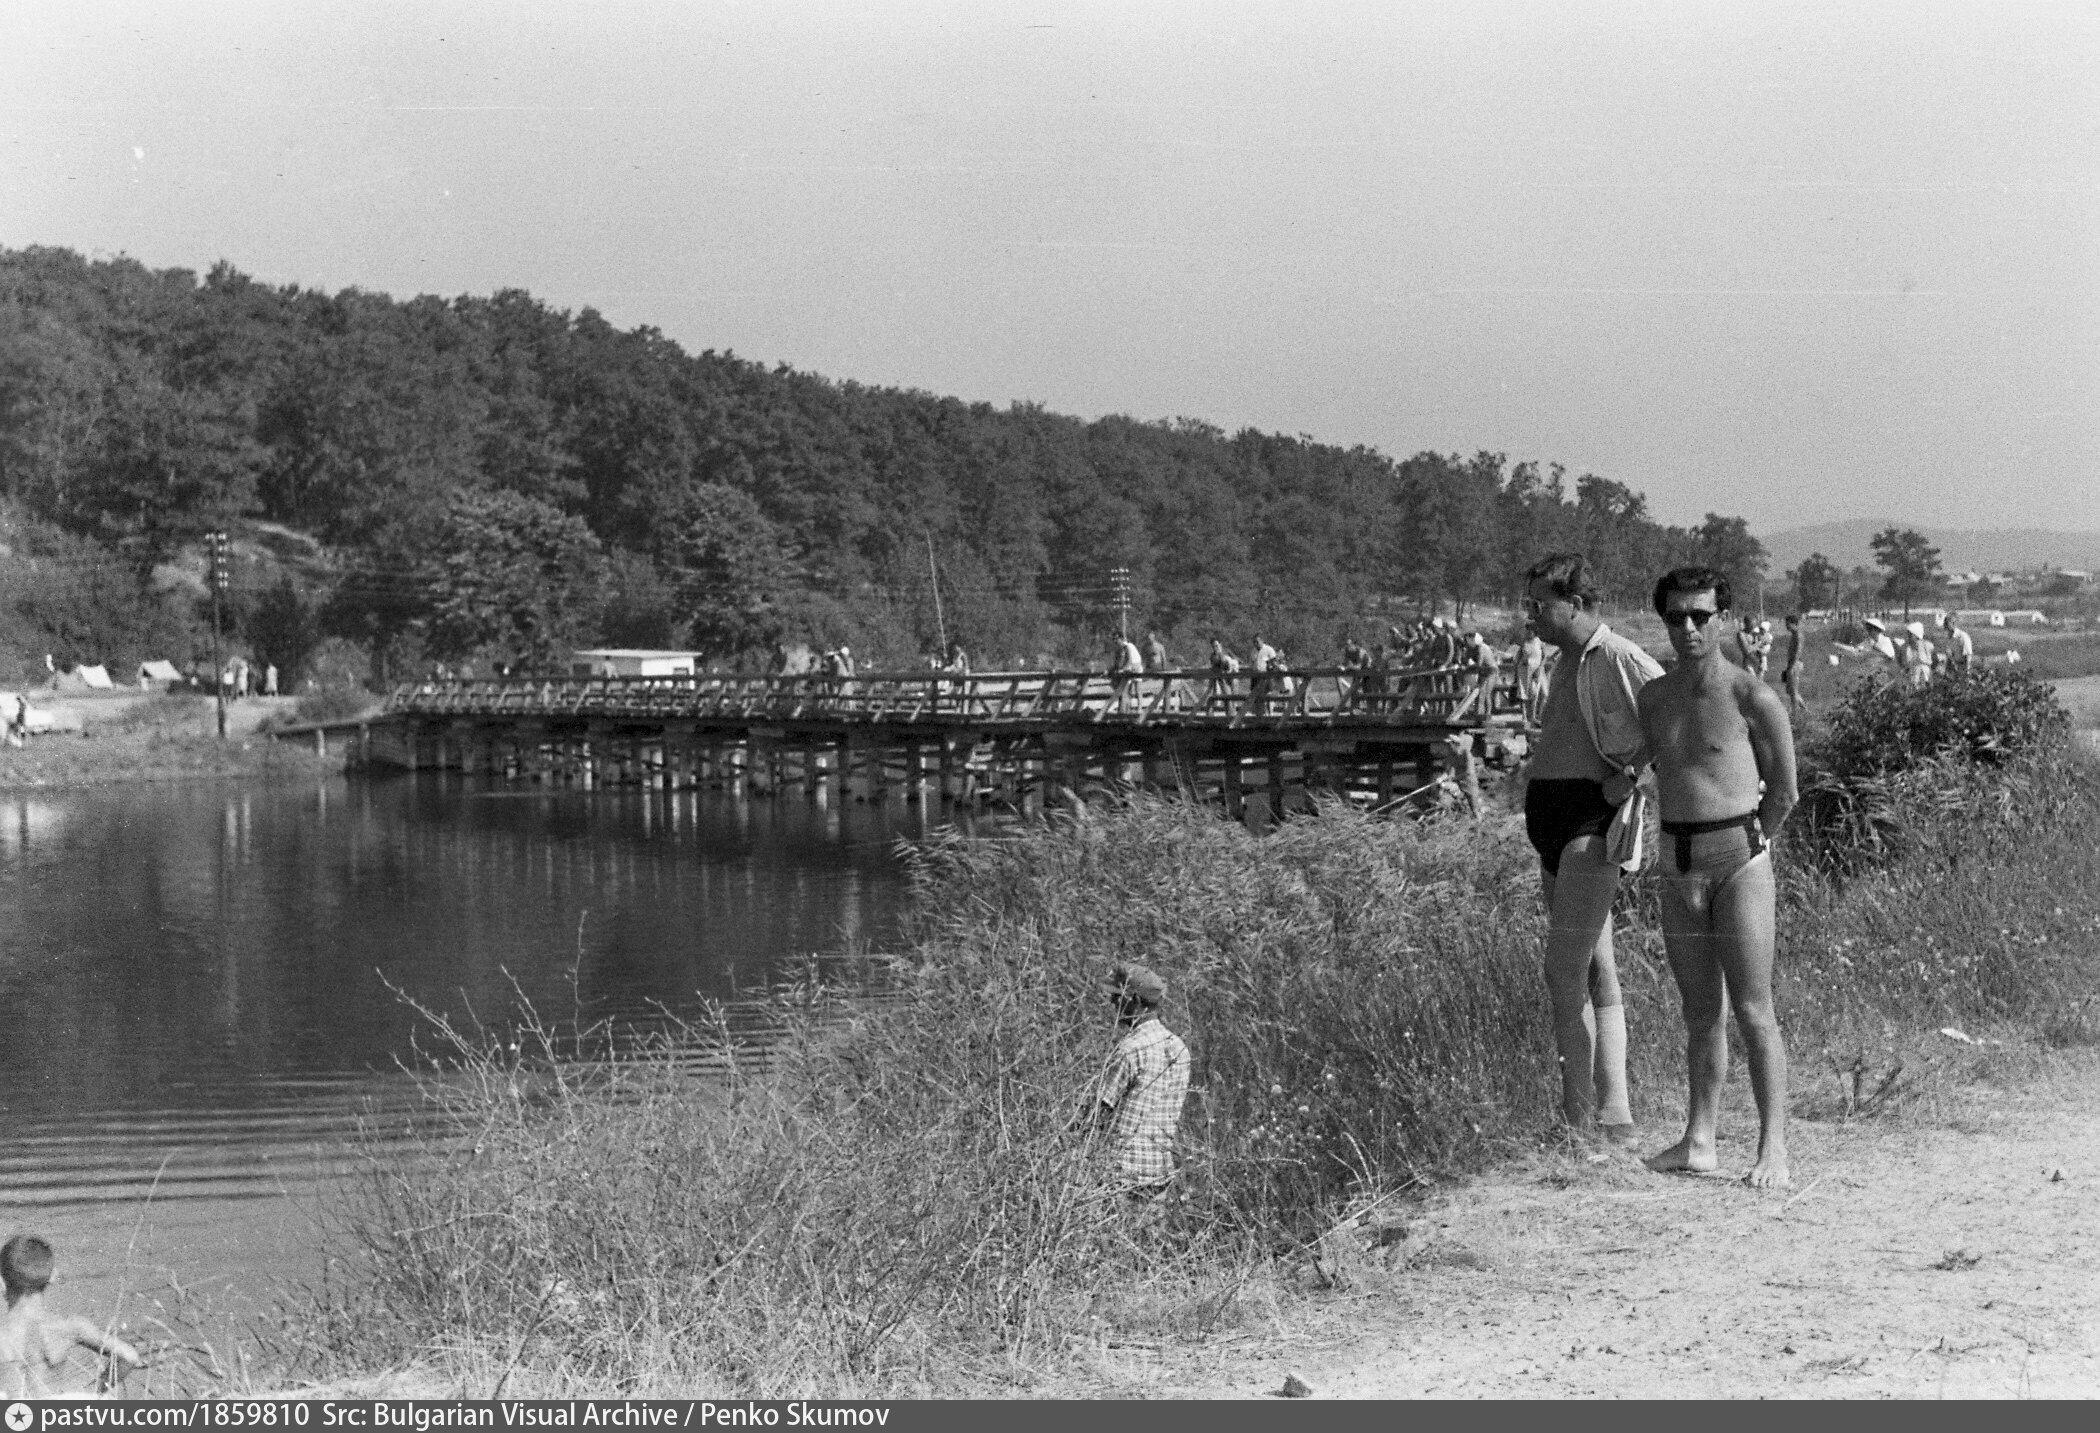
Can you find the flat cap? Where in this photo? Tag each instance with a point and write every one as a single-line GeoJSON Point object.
{"type": "Point", "coordinates": [1138, 982]}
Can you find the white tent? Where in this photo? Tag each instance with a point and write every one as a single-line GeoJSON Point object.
{"type": "Point", "coordinates": [158, 672]}
{"type": "Point", "coordinates": [96, 676]}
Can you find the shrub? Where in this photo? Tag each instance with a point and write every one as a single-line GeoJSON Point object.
{"type": "Point", "coordinates": [332, 704]}
{"type": "Point", "coordinates": [1984, 714]}
{"type": "Point", "coordinates": [1899, 764]}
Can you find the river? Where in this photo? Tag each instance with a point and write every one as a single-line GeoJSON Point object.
{"type": "Point", "coordinates": [205, 988]}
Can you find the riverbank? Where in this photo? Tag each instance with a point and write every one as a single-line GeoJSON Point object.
{"type": "Point", "coordinates": [898, 1205]}
{"type": "Point", "coordinates": [1941, 1252]}
{"type": "Point", "coordinates": [109, 737]}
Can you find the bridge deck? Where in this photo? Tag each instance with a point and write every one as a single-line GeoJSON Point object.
{"type": "Point", "coordinates": [1299, 701]}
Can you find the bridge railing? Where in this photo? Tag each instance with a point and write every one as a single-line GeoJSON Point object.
{"type": "Point", "coordinates": [1443, 695]}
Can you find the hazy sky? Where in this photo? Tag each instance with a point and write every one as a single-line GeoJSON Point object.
{"type": "Point", "coordinates": [1799, 262]}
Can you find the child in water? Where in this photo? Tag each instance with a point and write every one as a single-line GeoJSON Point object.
{"type": "Point", "coordinates": [34, 1341]}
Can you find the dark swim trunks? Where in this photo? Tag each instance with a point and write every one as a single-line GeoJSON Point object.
{"type": "Point", "coordinates": [1558, 810]}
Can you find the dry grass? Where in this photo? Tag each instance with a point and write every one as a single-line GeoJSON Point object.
{"type": "Point", "coordinates": [897, 1202]}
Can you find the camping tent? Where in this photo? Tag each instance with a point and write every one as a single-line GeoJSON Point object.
{"type": "Point", "coordinates": [162, 672]}
{"type": "Point", "coordinates": [96, 676]}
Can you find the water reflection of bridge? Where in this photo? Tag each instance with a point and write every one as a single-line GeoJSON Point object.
{"type": "Point", "coordinates": [1003, 736]}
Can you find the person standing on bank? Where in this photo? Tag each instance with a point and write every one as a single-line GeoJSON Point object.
{"type": "Point", "coordinates": [1790, 674]}
{"type": "Point", "coordinates": [1138, 1102]}
{"type": "Point", "coordinates": [1724, 769]}
{"type": "Point", "coordinates": [1531, 676]}
{"type": "Point", "coordinates": [1584, 766]}
{"type": "Point", "coordinates": [1959, 645]}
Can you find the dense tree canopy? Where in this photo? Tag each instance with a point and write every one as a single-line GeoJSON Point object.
{"type": "Point", "coordinates": [492, 479]}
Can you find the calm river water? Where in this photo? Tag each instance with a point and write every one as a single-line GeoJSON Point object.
{"type": "Point", "coordinates": [194, 981]}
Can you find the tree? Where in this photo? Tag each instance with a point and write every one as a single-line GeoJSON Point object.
{"type": "Point", "coordinates": [724, 567]}
{"type": "Point", "coordinates": [1912, 564]}
{"type": "Point", "coordinates": [70, 597]}
{"type": "Point", "coordinates": [1816, 581]}
{"type": "Point", "coordinates": [510, 578]}
{"type": "Point", "coordinates": [1725, 545]}
{"type": "Point", "coordinates": [284, 628]}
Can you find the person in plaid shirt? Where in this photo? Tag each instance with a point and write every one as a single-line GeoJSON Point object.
{"type": "Point", "coordinates": [1139, 1103]}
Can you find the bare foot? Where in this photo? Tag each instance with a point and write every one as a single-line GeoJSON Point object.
{"type": "Point", "coordinates": [1625, 1137]}
{"type": "Point", "coordinates": [1769, 1172]}
{"type": "Point", "coordinates": [1687, 1156]}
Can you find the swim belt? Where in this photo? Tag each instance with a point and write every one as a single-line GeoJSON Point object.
{"type": "Point", "coordinates": [1716, 860]}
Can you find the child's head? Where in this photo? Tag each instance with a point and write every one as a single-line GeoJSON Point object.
{"type": "Point", "coordinates": [25, 1265]}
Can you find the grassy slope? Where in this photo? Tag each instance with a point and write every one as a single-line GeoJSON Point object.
{"type": "Point", "coordinates": [122, 737]}
{"type": "Point", "coordinates": [900, 1206]}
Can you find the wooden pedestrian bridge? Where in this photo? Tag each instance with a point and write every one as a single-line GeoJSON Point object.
{"type": "Point", "coordinates": [1250, 741]}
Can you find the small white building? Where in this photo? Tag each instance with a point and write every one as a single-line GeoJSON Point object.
{"type": "Point", "coordinates": [632, 662]}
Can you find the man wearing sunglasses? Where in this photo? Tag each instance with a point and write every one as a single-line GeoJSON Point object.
{"type": "Point", "coordinates": [1724, 770]}
{"type": "Point", "coordinates": [1588, 754]}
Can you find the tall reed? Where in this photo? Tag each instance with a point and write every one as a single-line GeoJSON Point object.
{"type": "Point", "coordinates": [899, 1200]}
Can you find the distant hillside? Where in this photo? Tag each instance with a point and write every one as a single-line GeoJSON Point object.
{"type": "Point", "coordinates": [1997, 549]}
{"type": "Point", "coordinates": [487, 479]}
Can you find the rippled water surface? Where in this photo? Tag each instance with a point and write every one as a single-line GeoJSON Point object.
{"type": "Point", "coordinates": [201, 987]}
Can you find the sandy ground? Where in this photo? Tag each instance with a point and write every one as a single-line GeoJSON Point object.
{"type": "Point", "coordinates": [78, 710]}
{"type": "Point", "coordinates": [128, 736]}
{"type": "Point", "coordinates": [1959, 1259]}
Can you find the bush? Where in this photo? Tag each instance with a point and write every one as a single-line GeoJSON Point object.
{"type": "Point", "coordinates": [1897, 761]}
{"type": "Point", "coordinates": [332, 704]}
{"type": "Point", "coordinates": [1984, 714]}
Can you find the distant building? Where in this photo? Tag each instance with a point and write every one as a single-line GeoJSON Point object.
{"type": "Point", "coordinates": [632, 662]}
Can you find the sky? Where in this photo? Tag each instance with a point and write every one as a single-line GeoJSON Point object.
{"type": "Point", "coordinates": [1795, 262]}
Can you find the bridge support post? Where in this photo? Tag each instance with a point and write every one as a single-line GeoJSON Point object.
{"type": "Point", "coordinates": [1235, 802]}
{"type": "Point", "coordinates": [1031, 775]}
{"type": "Point", "coordinates": [854, 759]}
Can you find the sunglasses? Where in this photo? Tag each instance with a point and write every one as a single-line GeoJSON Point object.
{"type": "Point", "coordinates": [1699, 616]}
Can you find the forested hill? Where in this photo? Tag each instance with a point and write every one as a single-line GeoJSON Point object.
{"type": "Point", "coordinates": [491, 478]}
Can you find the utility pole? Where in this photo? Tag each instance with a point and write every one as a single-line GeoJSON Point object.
{"type": "Point", "coordinates": [1119, 588]}
{"type": "Point", "coordinates": [217, 550]}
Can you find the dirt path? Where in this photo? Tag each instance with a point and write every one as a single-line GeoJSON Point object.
{"type": "Point", "coordinates": [1960, 1259]}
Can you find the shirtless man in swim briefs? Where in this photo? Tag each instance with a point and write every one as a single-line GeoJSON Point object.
{"type": "Point", "coordinates": [1724, 767]}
